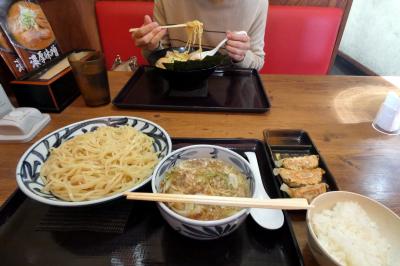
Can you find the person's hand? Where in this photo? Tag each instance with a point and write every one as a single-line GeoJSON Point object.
{"type": "Point", "coordinates": [237, 45]}
{"type": "Point", "coordinates": [148, 36]}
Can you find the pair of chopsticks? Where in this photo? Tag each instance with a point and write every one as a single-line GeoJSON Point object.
{"type": "Point", "coordinates": [284, 204]}
{"type": "Point", "coordinates": [164, 27]}
{"type": "Point", "coordinates": [177, 26]}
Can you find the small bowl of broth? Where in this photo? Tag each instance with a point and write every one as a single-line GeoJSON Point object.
{"type": "Point", "coordinates": [203, 170]}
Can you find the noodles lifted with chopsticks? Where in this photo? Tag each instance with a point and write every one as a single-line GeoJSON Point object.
{"type": "Point", "coordinates": [100, 163]}
{"type": "Point", "coordinates": [194, 30]}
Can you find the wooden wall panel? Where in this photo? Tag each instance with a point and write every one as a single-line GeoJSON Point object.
{"type": "Point", "coordinates": [73, 22]}
{"type": "Point", "coordinates": [346, 11]}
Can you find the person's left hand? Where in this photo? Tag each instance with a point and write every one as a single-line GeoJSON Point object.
{"type": "Point", "coordinates": [237, 45]}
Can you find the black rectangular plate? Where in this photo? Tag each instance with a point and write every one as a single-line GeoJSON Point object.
{"type": "Point", "coordinates": [226, 90]}
{"type": "Point", "coordinates": [147, 239]}
{"type": "Point", "coordinates": [291, 143]}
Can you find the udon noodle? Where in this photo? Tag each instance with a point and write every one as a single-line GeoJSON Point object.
{"type": "Point", "coordinates": [194, 30]}
{"type": "Point", "coordinates": [99, 163]}
{"type": "Point", "coordinates": [206, 177]}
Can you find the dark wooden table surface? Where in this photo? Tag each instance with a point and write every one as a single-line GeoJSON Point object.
{"type": "Point", "coordinates": [336, 111]}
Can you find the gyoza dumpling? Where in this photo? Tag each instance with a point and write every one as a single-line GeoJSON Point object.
{"type": "Point", "coordinates": [301, 162]}
{"type": "Point", "coordinates": [308, 192]}
{"type": "Point", "coordinates": [298, 178]}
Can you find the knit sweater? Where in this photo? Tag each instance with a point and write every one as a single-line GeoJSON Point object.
{"type": "Point", "coordinates": [217, 15]}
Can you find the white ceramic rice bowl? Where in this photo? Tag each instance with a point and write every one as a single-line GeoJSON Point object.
{"type": "Point", "coordinates": [387, 221]}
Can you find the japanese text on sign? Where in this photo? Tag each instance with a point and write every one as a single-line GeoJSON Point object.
{"type": "Point", "coordinates": [41, 57]}
{"type": "Point", "coordinates": [19, 66]}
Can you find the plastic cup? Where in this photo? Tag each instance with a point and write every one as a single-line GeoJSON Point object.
{"type": "Point", "coordinates": [91, 75]}
{"type": "Point", "coordinates": [387, 119]}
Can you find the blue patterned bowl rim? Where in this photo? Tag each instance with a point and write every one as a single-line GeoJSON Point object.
{"type": "Point", "coordinates": [106, 120]}
{"type": "Point", "coordinates": [193, 221]}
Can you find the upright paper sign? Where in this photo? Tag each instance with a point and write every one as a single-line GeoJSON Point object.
{"type": "Point", "coordinates": [29, 31]}
{"type": "Point", "coordinates": [10, 57]}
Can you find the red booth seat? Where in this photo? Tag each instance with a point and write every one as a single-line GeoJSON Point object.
{"type": "Point", "coordinates": [114, 19]}
{"type": "Point", "coordinates": [299, 39]}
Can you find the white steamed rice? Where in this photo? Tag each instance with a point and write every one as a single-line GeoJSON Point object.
{"type": "Point", "coordinates": [349, 235]}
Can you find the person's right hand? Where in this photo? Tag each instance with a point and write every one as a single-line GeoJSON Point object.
{"type": "Point", "coordinates": [148, 36]}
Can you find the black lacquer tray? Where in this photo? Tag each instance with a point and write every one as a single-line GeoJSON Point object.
{"type": "Point", "coordinates": [147, 239]}
{"type": "Point", "coordinates": [226, 90]}
{"type": "Point", "coordinates": [291, 143]}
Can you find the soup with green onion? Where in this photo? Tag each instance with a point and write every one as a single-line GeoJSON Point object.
{"type": "Point", "coordinates": [205, 176]}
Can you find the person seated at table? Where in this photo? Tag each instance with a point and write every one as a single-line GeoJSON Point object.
{"type": "Point", "coordinates": [217, 15]}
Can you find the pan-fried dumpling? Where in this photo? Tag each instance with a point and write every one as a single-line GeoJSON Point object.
{"type": "Point", "coordinates": [301, 162]}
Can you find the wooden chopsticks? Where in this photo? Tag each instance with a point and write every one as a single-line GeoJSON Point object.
{"type": "Point", "coordinates": [163, 27]}
{"type": "Point", "coordinates": [284, 204]}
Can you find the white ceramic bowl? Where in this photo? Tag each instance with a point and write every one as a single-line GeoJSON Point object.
{"type": "Point", "coordinates": [28, 168]}
{"type": "Point", "coordinates": [197, 229]}
{"type": "Point", "coordinates": [387, 221]}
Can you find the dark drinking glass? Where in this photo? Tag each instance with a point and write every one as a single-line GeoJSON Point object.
{"type": "Point", "coordinates": [91, 75]}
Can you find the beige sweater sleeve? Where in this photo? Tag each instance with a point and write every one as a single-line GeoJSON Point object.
{"type": "Point", "coordinates": [255, 56]}
{"type": "Point", "coordinates": [159, 16]}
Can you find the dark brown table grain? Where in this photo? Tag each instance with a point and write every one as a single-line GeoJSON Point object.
{"type": "Point", "coordinates": [337, 111]}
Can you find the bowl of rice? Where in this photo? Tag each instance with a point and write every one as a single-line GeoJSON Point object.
{"type": "Point", "coordinates": [346, 228]}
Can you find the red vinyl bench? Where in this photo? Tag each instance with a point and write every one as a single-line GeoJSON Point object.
{"type": "Point", "coordinates": [300, 39]}
{"type": "Point", "coordinates": [114, 19]}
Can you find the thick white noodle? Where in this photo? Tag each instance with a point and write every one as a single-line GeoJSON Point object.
{"type": "Point", "coordinates": [100, 163]}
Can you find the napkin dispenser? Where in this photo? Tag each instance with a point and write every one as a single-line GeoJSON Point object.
{"type": "Point", "coordinates": [19, 124]}
{"type": "Point", "coordinates": [49, 89]}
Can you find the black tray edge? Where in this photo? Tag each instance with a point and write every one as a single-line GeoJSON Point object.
{"type": "Point", "coordinates": [213, 140]}
{"type": "Point", "coordinates": [13, 202]}
{"type": "Point", "coordinates": [270, 165]}
{"type": "Point", "coordinates": [117, 101]}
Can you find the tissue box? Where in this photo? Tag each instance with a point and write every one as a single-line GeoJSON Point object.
{"type": "Point", "coordinates": [50, 89]}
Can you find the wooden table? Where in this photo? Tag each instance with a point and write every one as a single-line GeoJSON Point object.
{"type": "Point", "coordinates": [337, 111]}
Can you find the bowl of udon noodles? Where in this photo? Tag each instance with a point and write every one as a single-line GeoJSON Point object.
{"type": "Point", "coordinates": [186, 71]}
{"type": "Point", "coordinates": [204, 170]}
{"type": "Point", "coordinates": [180, 65]}
{"type": "Point", "coordinates": [92, 161]}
